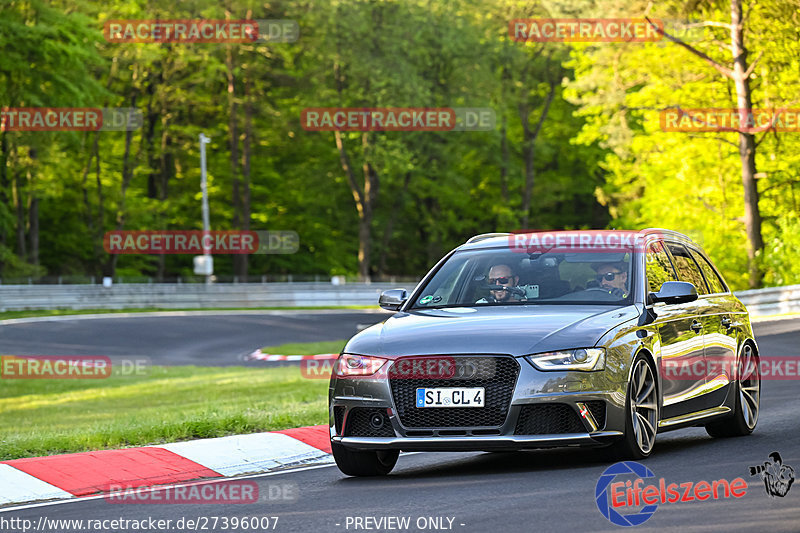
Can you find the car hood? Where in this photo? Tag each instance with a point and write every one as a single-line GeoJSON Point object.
{"type": "Point", "coordinates": [514, 330]}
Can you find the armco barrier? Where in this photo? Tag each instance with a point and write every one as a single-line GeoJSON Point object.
{"type": "Point", "coordinates": [179, 296]}
{"type": "Point", "coordinates": [772, 300]}
{"type": "Point", "coordinates": [760, 302]}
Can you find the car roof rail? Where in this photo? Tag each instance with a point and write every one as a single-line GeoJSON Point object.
{"type": "Point", "coordinates": [661, 232]}
{"type": "Point", "coordinates": [484, 236]}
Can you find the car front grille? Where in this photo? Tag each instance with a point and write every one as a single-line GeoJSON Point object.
{"type": "Point", "coordinates": [497, 375]}
{"type": "Point", "coordinates": [358, 423]}
{"type": "Point", "coordinates": [548, 419]}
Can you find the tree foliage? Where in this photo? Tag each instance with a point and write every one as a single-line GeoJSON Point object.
{"type": "Point", "coordinates": [577, 142]}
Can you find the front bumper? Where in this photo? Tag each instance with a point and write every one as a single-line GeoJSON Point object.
{"type": "Point", "coordinates": [569, 393]}
{"type": "Point", "coordinates": [481, 443]}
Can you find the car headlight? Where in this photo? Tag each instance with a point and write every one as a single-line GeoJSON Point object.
{"type": "Point", "coordinates": [349, 365]}
{"type": "Point", "coordinates": [586, 359]}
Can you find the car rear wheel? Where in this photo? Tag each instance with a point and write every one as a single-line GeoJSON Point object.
{"type": "Point", "coordinates": [748, 398]}
{"type": "Point", "coordinates": [364, 462]}
{"type": "Point", "coordinates": [641, 413]}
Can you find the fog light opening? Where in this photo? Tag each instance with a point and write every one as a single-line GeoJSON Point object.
{"type": "Point", "coordinates": [377, 420]}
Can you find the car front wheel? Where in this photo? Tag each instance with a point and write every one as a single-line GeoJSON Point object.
{"type": "Point", "coordinates": [364, 462]}
{"type": "Point", "coordinates": [641, 413]}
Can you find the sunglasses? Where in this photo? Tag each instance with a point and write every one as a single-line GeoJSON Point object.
{"type": "Point", "coordinates": [609, 276]}
{"type": "Point", "coordinates": [499, 281]}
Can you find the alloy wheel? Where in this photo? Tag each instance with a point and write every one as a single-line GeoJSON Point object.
{"type": "Point", "coordinates": [644, 406]}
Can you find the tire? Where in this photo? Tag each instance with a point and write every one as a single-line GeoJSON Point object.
{"type": "Point", "coordinates": [641, 417]}
{"type": "Point", "coordinates": [364, 462]}
{"type": "Point", "coordinates": [747, 401]}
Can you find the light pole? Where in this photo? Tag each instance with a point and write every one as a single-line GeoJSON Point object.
{"type": "Point", "coordinates": [207, 260]}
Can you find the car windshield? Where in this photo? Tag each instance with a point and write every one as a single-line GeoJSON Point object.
{"type": "Point", "coordinates": [487, 277]}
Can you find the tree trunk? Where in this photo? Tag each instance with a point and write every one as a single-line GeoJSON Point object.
{"type": "Point", "coordinates": [33, 233]}
{"type": "Point", "coordinates": [504, 163]}
{"type": "Point", "coordinates": [370, 199]}
{"type": "Point", "coordinates": [166, 171]}
{"type": "Point", "coordinates": [363, 199]}
{"type": "Point", "coordinates": [388, 231]}
{"type": "Point", "coordinates": [101, 213]}
{"type": "Point", "coordinates": [3, 190]}
{"type": "Point", "coordinates": [151, 117]}
{"type": "Point", "coordinates": [747, 146]}
{"type": "Point", "coordinates": [33, 212]}
{"type": "Point", "coordinates": [127, 174]}
{"type": "Point", "coordinates": [246, 156]}
{"type": "Point", "coordinates": [529, 142]}
{"type": "Point", "coordinates": [95, 227]}
{"type": "Point", "coordinates": [20, 208]}
{"type": "Point", "coordinates": [528, 149]}
{"type": "Point", "coordinates": [234, 152]}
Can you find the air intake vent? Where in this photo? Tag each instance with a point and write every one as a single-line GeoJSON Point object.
{"type": "Point", "coordinates": [548, 419]}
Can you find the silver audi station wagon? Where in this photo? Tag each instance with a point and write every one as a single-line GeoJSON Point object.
{"type": "Point", "coordinates": [592, 338]}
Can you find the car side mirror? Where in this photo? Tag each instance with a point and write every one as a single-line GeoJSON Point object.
{"type": "Point", "coordinates": [392, 299]}
{"type": "Point", "coordinates": [674, 292]}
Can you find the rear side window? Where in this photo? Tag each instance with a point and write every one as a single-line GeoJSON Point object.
{"type": "Point", "coordinates": [687, 268]}
{"type": "Point", "coordinates": [714, 281]}
{"type": "Point", "coordinates": [659, 269]}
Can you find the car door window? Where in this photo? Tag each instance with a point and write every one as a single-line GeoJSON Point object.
{"type": "Point", "coordinates": [659, 268]}
{"type": "Point", "coordinates": [712, 278]}
{"type": "Point", "coordinates": [687, 268]}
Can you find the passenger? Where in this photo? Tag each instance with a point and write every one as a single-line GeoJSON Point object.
{"type": "Point", "coordinates": [613, 277]}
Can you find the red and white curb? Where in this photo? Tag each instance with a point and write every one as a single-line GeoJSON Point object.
{"type": "Point", "coordinates": [258, 355]}
{"type": "Point", "coordinates": [58, 477]}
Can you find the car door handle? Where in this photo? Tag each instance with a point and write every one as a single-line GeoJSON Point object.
{"type": "Point", "coordinates": [696, 326]}
{"type": "Point", "coordinates": [726, 322]}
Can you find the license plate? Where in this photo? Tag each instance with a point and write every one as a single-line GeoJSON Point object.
{"type": "Point", "coordinates": [451, 397]}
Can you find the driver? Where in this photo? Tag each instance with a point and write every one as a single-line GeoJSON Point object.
{"type": "Point", "coordinates": [501, 274]}
{"type": "Point", "coordinates": [613, 277]}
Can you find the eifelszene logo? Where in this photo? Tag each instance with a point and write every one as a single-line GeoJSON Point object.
{"type": "Point", "coordinates": [778, 477]}
{"type": "Point", "coordinates": [612, 496]}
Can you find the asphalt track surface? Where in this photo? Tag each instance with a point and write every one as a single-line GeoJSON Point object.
{"type": "Point", "coordinates": [538, 491]}
{"type": "Point", "coordinates": [187, 339]}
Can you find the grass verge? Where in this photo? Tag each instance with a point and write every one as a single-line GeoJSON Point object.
{"type": "Point", "coordinates": [51, 416]}
{"type": "Point", "coordinates": [306, 348]}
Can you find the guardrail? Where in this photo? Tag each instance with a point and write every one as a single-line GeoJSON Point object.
{"type": "Point", "coordinates": [194, 295]}
{"type": "Point", "coordinates": [773, 300]}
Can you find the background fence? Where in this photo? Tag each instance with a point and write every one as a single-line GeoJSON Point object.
{"type": "Point", "coordinates": [771, 301]}
{"type": "Point", "coordinates": [192, 295]}
{"type": "Point", "coordinates": [760, 302]}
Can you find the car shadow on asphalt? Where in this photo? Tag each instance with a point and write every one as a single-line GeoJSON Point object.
{"type": "Point", "coordinates": [544, 460]}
